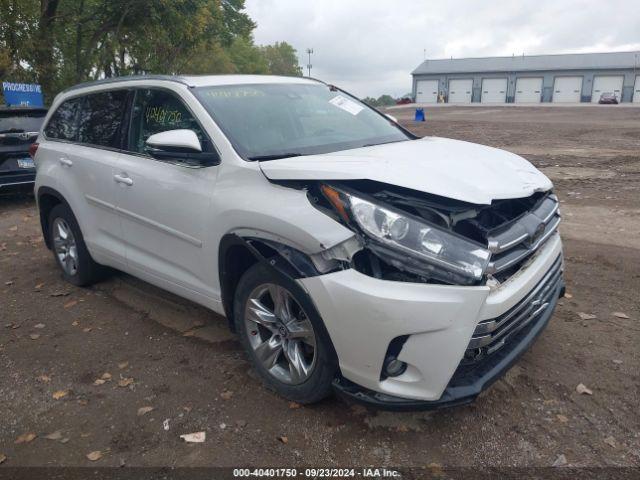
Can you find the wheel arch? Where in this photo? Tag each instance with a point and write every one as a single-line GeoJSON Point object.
{"type": "Point", "coordinates": [47, 198]}
{"type": "Point", "coordinates": [237, 254]}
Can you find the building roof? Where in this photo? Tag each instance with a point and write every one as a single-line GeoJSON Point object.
{"type": "Point", "coordinates": [516, 63]}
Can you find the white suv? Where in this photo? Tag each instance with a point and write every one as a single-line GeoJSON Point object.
{"type": "Point", "coordinates": [346, 253]}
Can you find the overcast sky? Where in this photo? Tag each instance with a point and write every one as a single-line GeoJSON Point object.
{"type": "Point", "coordinates": [370, 47]}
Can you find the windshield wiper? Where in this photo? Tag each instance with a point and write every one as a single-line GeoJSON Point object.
{"type": "Point", "coordinates": [275, 156]}
{"type": "Point", "coordinates": [384, 143]}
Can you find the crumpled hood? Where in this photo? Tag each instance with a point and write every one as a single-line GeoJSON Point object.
{"type": "Point", "coordinates": [450, 168]}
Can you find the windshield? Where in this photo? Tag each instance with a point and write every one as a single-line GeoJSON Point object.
{"type": "Point", "coordinates": [269, 121]}
{"type": "Point", "coordinates": [19, 121]}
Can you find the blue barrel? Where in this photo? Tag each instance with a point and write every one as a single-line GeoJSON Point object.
{"type": "Point", "coordinates": [419, 115]}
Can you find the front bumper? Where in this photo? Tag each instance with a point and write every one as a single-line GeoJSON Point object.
{"type": "Point", "coordinates": [363, 315]}
{"type": "Point", "coordinates": [466, 383]}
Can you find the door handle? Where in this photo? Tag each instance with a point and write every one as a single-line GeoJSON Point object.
{"type": "Point", "coordinates": [123, 179]}
{"type": "Point", "coordinates": [65, 161]}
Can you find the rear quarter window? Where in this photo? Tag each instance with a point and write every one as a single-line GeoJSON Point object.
{"type": "Point", "coordinates": [63, 124]}
{"type": "Point", "coordinates": [100, 118]}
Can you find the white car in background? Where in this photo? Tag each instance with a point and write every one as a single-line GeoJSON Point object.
{"type": "Point", "coordinates": [346, 253]}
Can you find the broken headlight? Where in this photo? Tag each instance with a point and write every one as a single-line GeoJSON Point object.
{"type": "Point", "coordinates": [415, 244]}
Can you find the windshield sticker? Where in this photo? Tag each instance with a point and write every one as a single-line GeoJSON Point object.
{"type": "Point", "coordinates": [163, 116]}
{"type": "Point", "coordinates": [234, 92]}
{"type": "Point", "coordinates": [345, 104]}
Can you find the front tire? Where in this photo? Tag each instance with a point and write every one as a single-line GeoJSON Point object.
{"type": "Point", "coordinates": [284, 336]}
{"type": "Point", "coordinates": [69, 249]}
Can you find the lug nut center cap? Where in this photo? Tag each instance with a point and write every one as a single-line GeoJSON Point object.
{"type": "Point", "coordinates": [283, 331]}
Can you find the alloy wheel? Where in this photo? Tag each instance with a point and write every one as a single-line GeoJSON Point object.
{"type": "Point", "coordinates": [64, 245]}
{"type": "Point", "coordinates": [280, 333]}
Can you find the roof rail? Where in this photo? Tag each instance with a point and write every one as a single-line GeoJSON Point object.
{"type": "Point", "coordinates": [126, 78]}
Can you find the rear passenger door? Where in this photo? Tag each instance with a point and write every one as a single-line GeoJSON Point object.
{"type": "Point", "coordinates": [87, 134]}
{"type": "Point", "coordinates": [164, 206]}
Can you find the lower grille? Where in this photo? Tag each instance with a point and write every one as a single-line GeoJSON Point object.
{"type": "Point", "coordinates": [491, 335]}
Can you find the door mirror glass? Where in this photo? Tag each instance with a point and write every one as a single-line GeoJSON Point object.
{"type": "Point", "coordinates": [181, 140]}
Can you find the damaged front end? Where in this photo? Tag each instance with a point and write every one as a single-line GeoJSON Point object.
{"type": "Point", "coordinates": [410, 236]}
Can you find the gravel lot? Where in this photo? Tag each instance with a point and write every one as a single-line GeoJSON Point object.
{"type": "Point", "coordinates": [150, 349]}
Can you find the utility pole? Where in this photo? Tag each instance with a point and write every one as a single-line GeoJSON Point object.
{"type": "Point", "coordinates": [309, 52]}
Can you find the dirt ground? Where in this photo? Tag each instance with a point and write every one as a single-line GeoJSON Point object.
{"type": "Point", "coordinates": [150, 349]}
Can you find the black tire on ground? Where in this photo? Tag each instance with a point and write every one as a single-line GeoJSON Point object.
{"type": "Point", "coordinates": [318, 385]}
{"type": "Point", "coordinates": [88, 271]}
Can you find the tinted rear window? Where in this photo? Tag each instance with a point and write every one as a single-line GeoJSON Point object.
{"type": "Point", "coordinates": [101, 117]}
{"type": "Point", "coordinates": [21, 121]}
{"type": "Point", "coordinates": [63, 123]}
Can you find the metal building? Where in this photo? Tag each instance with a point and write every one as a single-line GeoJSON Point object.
{"type": "Point", "coordinates": [568, 78]}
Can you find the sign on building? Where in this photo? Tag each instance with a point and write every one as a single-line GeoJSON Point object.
{"type": "Point", "coordinates": [22, 94]}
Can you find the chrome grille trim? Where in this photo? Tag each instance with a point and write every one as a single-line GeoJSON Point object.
{"type": "Point", "coordinates": [524, 236]}
{"type": "Point", "coordinates": [556, 207]}
{"type": "Point", "coordinates": [521, 254]}
{"type": "Point", "coordinates": [20, 135]}
{"type": "Point", "coordinates": [492, 334]}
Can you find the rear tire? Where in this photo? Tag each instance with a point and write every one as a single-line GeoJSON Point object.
{"type": "Point", "coordinates": [284, 336]}
{"type": "Point", "coordinates": [69, 249]}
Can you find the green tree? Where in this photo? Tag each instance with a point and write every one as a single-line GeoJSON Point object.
{"type": "Point", "coordinates": [385, 101]}
{"type": "Point", "coordinates": [61, 42]}
{"type": "Point", "coordinates": [18, 23]}
{"type": "Point", "coordinates": [281, 59]}
{"type": "Point", "coordinates": [247, 58]}
{"type": "Point", "coordinates": [372, 102]}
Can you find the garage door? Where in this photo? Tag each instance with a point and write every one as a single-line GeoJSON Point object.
{"type": "Point", "coordinates": [606, 84]}
{"type": "Point", "coordinates": [636, 90]}
{"type": "Point", "coordinates": [494, 90]}
{"type": "Point", "coordinates": [427, 91]}
{"type": "Point", "coordinates": [528, 90]}
{"type": "Point", "coordinates": [567, 89]}
{"type": "Point", "coordinates": [460, 90]}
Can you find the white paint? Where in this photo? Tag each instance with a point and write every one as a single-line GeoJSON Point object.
{"type": "Point", "coordinates": [636, 90]}
{"type": "Point", "coordinates": [460, 90]}
{"type": "Point", "coordinates": [174, 216]}
{"type": "Point", "coordinates": [494, 90]}
{"type": "Point", "coordinates": [363, 314]}
{"type": "Point", "coordinates": [427, 91]}
{"type": "Point", "coordinates": [528, 90]}
{"type": "Point", "coordinates": [179, 138]}
{"type": "Point", "coordinates": [449, 168]}
{"type": "Point", "coordinates": [567, 89]}
{"type": "Point", "coordinates": [607, 84]}
{"type": "Point", "coordinates": [165, 226]}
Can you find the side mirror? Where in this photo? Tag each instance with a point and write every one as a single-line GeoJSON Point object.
{"type": "Point", "coordinates": [180, 145]}
{"type": "Point", "coordinates": [391, 117]}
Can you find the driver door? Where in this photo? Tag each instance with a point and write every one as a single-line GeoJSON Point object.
{"type": "Point", "coordinates": [164, 205]}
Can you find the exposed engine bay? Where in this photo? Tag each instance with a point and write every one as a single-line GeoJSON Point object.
{"type": "Point", "coordinates": [510, 229]}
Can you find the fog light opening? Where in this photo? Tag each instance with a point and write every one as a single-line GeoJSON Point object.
{"type": "Point", "coordinates": [394, 367]}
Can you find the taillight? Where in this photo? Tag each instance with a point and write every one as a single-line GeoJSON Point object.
{"type": "Point", "coordinates": [33, 148]}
